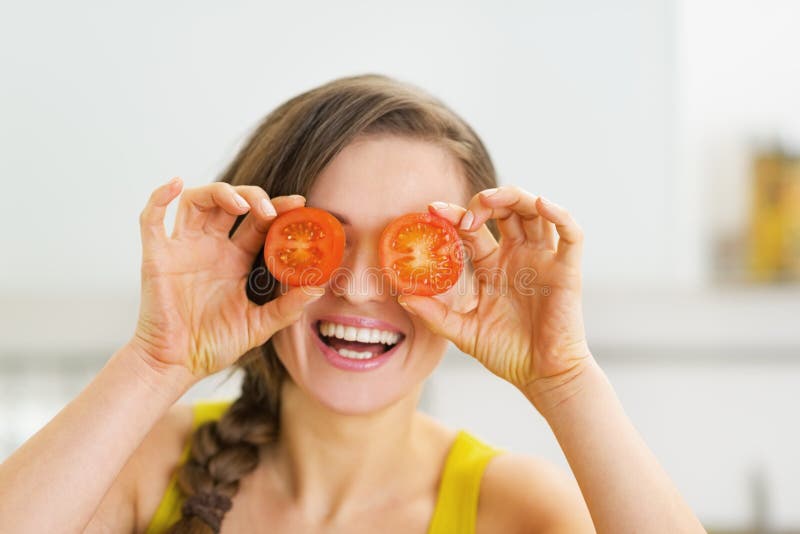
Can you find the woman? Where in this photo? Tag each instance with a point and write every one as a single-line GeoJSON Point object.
{"type": "Point", "coordinates": [312, 444]}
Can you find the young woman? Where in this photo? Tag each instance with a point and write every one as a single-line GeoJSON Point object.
{"type": "Point", "coordinates": [316, 442]}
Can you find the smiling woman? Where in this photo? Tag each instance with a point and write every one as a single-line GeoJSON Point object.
{"type": "Point", "coordinates": [326, 435]}
{"type": "Point", "coordinates": [381, 149]}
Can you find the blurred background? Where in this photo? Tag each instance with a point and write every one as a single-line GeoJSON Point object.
{"type": "Point", "coordinates": [670, 129]}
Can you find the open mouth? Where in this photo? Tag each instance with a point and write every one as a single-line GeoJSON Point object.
{"type": "Point", "coordinates": [357, 343]}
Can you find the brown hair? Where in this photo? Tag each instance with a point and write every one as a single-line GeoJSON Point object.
{"type": "Point", "coordinates": [284, 155]}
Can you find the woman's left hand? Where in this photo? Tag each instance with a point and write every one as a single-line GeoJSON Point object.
{"type": "Point", "coordinates": [528, 322]}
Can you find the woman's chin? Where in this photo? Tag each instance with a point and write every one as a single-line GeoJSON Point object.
{"type": "Point", "coordinates": [353, 401]}
{"type": "Point", "coordinates": [358, 387]}
{"type": "Point", "coordinates": [351, 392]}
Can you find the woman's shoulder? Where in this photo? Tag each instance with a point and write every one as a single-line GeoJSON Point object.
{"type": "Point", "coordinates": [516, 492]}
{"type": "Point", "coordinates": [161, 451]}
{"type": "Point", "coordinates": [157, 457]}
{"type": "Point", "coordinates": [522, 493]}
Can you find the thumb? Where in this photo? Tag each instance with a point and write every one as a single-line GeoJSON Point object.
{"type": "Point", "coordinates": [283, 310]}
{"type": "Point", "coordinates": [438, 317]}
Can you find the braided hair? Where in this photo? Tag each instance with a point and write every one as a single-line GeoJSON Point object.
{"type": "Point", "coordinates": [225, 450]}
{"type": "Point", "coordinates": [284, 155]}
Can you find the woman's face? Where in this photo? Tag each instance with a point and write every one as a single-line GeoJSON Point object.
{"type": "Point", "coordinates": [368, 184]}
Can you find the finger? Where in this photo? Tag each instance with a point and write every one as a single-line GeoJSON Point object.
{"type": "Point", "coordinates": [511, 228]}
{"type": "Point", "coordinates": [441, 319]}
{"type": "Point", "coordinates": [151, 219]}
{"type": "Point", "coordinates": [220, 221]}
{"type": "Point", "coordinates": [509, 224]}
{"type": "Point", "coordinates": [570, 234]}
{"type": "Point", "coordinates": [250, 235]}
{"type": "Point", "coordinates": [198, 203]}
{"type": "Point", "coordinates": [480, 243]}
{"type": "Point", "coordinates": [280, 312]}
{"type": "Point", "coordinates": [545, 233]}
{"type": "Point", "coordinates": [508, 203]}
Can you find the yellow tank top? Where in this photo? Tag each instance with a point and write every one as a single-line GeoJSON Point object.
{"type": "Point", "coordinates": [456, 505]}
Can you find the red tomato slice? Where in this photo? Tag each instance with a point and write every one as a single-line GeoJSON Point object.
{"type": "Point", "coordinates": [422, 254]}
{"type": "Point", "coordinates": [304, 246]}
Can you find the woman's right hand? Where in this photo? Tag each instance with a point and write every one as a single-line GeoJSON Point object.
{"type": "Point", "coordinates": [194, 311]}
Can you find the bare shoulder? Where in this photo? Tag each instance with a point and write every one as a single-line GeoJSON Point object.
{"type": "Point", "coordinates": [155, 460]}
{"type": "Point", "coordinates": [133, 497]}
{"type": "Point", "coordinates": [525, 494]}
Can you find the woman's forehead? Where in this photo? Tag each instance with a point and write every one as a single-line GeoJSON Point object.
{"type": "Point", "coordinates": [381, 177]}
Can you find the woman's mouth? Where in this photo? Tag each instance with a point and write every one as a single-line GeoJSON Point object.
{"type": "Point", "coordinates": [353, 344]}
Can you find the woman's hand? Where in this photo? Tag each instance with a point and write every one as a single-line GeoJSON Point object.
{"type": "Point", "coordinates": [194, 310]}
{"type": "Point", "coordinates": [528, 323]}
{"type": "Point", "coordinates": [530, 332]}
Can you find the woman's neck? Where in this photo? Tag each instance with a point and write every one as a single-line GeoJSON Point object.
{"type": "Point", "coordinates": [331, 465]}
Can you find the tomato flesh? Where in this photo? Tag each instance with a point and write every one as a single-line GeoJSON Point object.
{"type": "Point", "coordinates": [304, 246]}
{"type": "Point", "coordinates": [422, 254]}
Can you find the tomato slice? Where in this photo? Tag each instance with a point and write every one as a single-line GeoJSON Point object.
{"type": "Point", "coordinates": [304, 246]}
{"type": "Point", "coordinates": [422, 254]}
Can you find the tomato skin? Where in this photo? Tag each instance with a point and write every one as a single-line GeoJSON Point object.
{"type": "Point", "coordinates": [422, 254]}
{"type": "Point", "coordinates": [304, 246]}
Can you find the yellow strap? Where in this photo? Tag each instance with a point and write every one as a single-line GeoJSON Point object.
{"type": "Point", "coordinates": [169, 509]}
{"type": "Point", "coordinates": [457, 503]}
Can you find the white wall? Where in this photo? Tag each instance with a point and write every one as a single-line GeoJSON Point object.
{"type": "Point", "coordinates": [101, 102]}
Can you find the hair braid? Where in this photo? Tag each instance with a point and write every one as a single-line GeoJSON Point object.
{"type": "Point", "coordinates": [224, 451]}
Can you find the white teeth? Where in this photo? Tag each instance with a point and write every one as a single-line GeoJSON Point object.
{"type": "Point", "coordinates": [355, 355]}
{"type": "Point", "coordinates": [363, 335]}
{"type": "Point", "coordinates": [350, 333]}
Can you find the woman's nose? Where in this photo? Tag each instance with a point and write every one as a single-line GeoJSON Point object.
{"type": "Point", "coordinates": [360, 277]}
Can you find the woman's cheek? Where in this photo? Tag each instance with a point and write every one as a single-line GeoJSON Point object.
{"type": "Point", "coordinates": [425, 341]}
{"type": "Point", "coordinates": [287, 341]}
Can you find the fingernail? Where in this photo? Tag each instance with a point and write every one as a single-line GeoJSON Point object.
{"type": "Point", "coordinates": [267, 208]}
{"type": "Point", "coordinates": [546, 202]}
{"type": "Point", "coordinates": [173, 181]}
{"type": "Point", "coordinates": [241, 202]}
{"type": "Point", "coordinates": [315, 291]}
{"type": "Point", "coordinates": [466, 220]}
{"type": "Point", "coordinates": [439, 205]}
{"type": "Point", "coordinates": [489, 192]}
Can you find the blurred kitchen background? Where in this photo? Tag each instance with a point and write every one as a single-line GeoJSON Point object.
{"type": "Point", "coordinates": [670, 129]}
